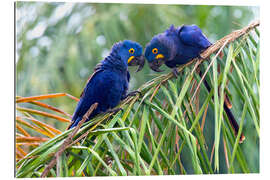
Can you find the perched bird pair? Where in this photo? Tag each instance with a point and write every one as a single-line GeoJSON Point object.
{"type": "Point", "coordinates": [108, 85]}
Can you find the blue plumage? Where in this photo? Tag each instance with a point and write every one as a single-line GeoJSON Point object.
{"type": "Point", "coordinates": [108, 85]}
{"type": "Point", "coordinates": [176, 46]}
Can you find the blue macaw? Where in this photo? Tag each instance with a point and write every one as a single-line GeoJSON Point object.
{"type": "Point", "coordinates": [108, 85]}
{"type": "Point", "coordinates": [177, 46]}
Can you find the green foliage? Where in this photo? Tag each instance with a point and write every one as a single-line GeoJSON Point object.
{"type": "Point", "coordinates": [158, 135]}
{"type": "Point", "coordinates": [170, 129]}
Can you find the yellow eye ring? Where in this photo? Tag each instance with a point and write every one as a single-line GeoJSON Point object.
{"type": "Point", "coordinates": [131, 50]}
{"type": "Point", "coordinates": [155, 51]}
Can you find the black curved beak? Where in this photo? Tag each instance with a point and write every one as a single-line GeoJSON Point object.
{"type": "Point", "coordinates": [137, 61]}
{"type": "Point", "coordinates": [156, 64]}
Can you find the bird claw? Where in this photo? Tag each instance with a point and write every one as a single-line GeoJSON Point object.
{"type": "Point", "coordinates": [200, 57]}
{"type": "Point", "coordinates": [114, 111]}
{"type": "Point", "coordinates": [134, 93]}
{"type": "Point", "coordinates": [175, 72]}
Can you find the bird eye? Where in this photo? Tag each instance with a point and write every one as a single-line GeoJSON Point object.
{"type": "Point", "coordinates": [131, 50]}
{"type": "Point", "coordinates": [155, 51]}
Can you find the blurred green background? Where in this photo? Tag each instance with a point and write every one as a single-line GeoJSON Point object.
{"type": "Point", "coordinates": [58, 44]}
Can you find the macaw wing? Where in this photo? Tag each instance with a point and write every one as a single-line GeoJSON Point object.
{"type": "Point", "coordinates": [97, 69]}
{"type": "Point", "coordinates": [78, 108]}
{"type": "Point", "coordinates": [126, 87]}
{"type": "Point", "coordinates": [193, 36]}
{"type": "Point", "coordinates": [128, 76]}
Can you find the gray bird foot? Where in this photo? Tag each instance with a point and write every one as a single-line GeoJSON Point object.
{"type": "Point", "coordinates": [134, 93]}
{"type": "Point", "coordinates": [114, 111]}
{"type": "Point", "coordinates": [175, 72]}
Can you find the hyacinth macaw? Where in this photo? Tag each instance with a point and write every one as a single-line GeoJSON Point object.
{"type": "Point", "coordinates": [177, 46]}
{"type": "Point", "coordinates": [108, 85]}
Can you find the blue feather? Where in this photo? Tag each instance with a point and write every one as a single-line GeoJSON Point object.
{"type": "Point", "coordinates": [108, 84]}
{"type": "Point", "coordinates": [177, 45]}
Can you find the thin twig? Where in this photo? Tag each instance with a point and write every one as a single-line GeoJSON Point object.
{"type": "Point", "coordinates": [208, 70]}
{"type": "Point", "coordinates": [204, 117]}
{"type": "Point", "coordinates": [212, 153]}
{"type": "Point", "coordinates": [226, 153]}
{"type": "Point", "coordinates": [155, 92]}
{"type": "Point", "coordinates": [68, 140]}
{"type": "Point", "coordinates": [230, 38]}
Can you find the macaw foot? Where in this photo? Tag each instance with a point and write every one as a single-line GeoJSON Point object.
{"type": "Point", "coordinates": [134, 93]}
{"type": "Point", "coordinates": [175, 72]}
{"type": "Point", "coordinates": [114, 111]}
{"type": "Point", "coordinates": [200, 57]}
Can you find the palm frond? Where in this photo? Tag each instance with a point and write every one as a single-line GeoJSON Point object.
{"type": "Point", "coordinates": [163, 130]}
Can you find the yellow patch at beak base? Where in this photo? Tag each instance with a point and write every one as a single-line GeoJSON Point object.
{"type": "Point", "coordinates": [129, 59]}
{"type": "Point", "coordinates": [159, 56]}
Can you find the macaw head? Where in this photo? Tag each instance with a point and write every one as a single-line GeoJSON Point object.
{"type": "Point", "coordinates": [131, 53]}
{"type": "Point", "coordinates": [157, 52]}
